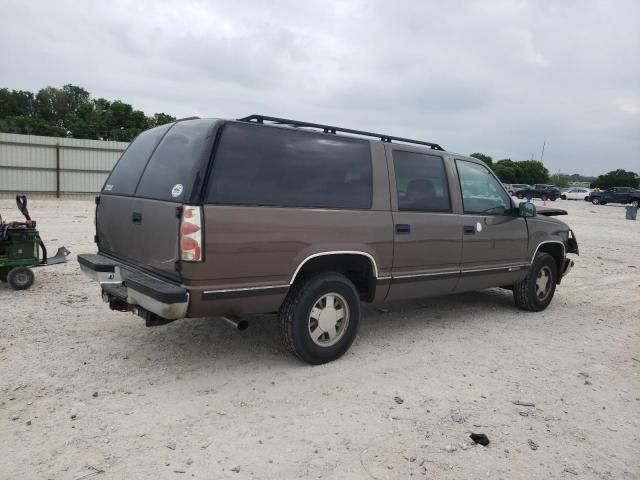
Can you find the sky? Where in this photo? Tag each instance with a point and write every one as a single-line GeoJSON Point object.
{"type": "Point", "coordinates": [498, 77]}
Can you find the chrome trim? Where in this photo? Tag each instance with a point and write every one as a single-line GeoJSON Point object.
{"type": "Point", "coordinates": [564, 249]}
{"type": "Point", "coordinates": [511, 268]}
{"type": "Point", "coordinates": [244, 289]}
{"type": "Point", "coordinates": [336, 252]}
{"type": "Point", "coordinates": [435, 274]}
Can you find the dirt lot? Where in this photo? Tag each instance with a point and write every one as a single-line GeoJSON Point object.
{"type": "Point", "coordinates": [89, 393]}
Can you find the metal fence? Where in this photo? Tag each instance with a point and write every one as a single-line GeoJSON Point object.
{"type": "Point", "coordinates": [32, 164]}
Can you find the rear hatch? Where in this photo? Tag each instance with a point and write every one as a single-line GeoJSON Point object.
{"type": "Point", "coordinates": [137, 216]}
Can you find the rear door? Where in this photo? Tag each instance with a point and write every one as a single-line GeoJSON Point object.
{"type": "Point", "coordinates": [137, 216]}
{"type": "Point", "coordinates": [427, 233]}
{"type": "Point", "coordinates": [495, 238]}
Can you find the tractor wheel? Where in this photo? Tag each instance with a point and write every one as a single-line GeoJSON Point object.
{"type": "Point", "coordinates": [20, 278]}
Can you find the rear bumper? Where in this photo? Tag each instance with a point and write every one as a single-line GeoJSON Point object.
{"type": "Point", "coordinates": [122, 283]}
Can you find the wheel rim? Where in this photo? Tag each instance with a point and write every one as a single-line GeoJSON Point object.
{"type": "Point", "coordinates": [21, 278]}
{"type": "Point", "coordinates": [543, 283]}
{"type": "Point", "coordinates": [635, 203]}
{"type": "Point", "coordinates": [328, 319]}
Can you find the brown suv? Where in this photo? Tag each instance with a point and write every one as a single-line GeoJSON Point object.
{"type": "Point", "coordinates": [208, 217]}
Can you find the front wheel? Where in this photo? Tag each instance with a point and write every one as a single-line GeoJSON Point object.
{"type": "Point", "coordinates": [20, 278]}
{"type": "Point", "coordinates": [319, 318]}
{"type": "Point", "coordinates": [553, 199]}
{"type": "Point", "coordinates": [563, 197]}
{"type": "Point", "coordinates": [586, 199]}
{"type": "Point", "coordinates": [595, 200]}
{"type": "Point", "coordinates": [536, 291]}
{"type": "Point", "coordinates": [520, 196]}
{"type": "Point", "coordinates": [635, 203]}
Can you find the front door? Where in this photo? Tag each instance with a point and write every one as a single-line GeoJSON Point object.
{"type": "Point", "coordinates": [427, 234]}
{"type": "Point", "coordinates": [495, 239]}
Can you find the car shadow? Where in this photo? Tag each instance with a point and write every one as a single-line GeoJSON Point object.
{"type": "Point", "coordinates": [208, 342]}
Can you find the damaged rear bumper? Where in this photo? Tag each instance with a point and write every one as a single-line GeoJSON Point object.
{"type": "Point", "coordinates": [127, 289]}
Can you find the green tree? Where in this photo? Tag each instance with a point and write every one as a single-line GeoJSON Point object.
{"type": "Point", "coordinates": [532, 171]}
{"type": "Point", "coordinates": [616, 178]}
{"type": "Point", "coordinates": [71, 112]}
{"type": "Point", "coordinates": [506, 170]}
{"type": "Point", "coordinates": [485, 158]}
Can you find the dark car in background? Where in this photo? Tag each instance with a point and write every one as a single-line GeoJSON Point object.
{"type": "Point", "coordinates": [539, 190]}
{"type": "Point", "coordinates": [622, 195]}
{"type": "Point", "coordinates": [516, 187]}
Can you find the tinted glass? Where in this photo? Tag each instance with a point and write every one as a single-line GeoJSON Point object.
{"type": "Point", "coordinates": [481, 192]}
{"type": "Point", "coordinates": [257, 165]}
{"type": "Point", "coordinates": [126, 174]}
{"type": "Point", "coordinates": [171, 172]}
{"type": "Point", "coordinates": [421, 182]}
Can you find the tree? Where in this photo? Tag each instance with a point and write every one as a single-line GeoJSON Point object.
{"type": "Point", "coordinates": [506, 170]}
{"type": "Point", "coordinates": [616, 178]}
{"type": "Point", "coordinates": [71, 112]}
{"type": "Point", "coordinates": [532, 171]}
{"type": "Point", "coordinates": [485, 158]}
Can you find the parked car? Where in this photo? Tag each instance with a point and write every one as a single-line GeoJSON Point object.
{"type": "Point", "coordinates": [576, 193]}
{"type": "Point", "coordinates": [542, 191]}
{"type": "Point", "coordinates": [616, 195]}
{"type": "Point", "coordinates": [515, 187]}
{"type": "Point", "coordinates": [208, 218]}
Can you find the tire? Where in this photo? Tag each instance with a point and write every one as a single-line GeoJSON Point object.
{"type": "Point", "coordinates": [635, 202]}
{"type": "Point", "coordinates": [586, 199]}
{"type": "Point", "coordinates": [563, 197]}
{"type": "Point", "coordinates": [20, 278]}
{"type": "Point", "coordinates": [533, 293]}
{"type": "Point", "coordinates": [298, 322]}
{"type": "Point", "coordinates": [553, 199]}
{"type": "Point", "coordinates": [520, 196]}
{"type": "Point", "coordinates": [595, 200]}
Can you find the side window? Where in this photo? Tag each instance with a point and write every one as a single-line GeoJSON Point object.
{"type": "Point", "coordinates": [125, 175]}
{"type": "Point", "coordinates": [481, 192]}
{"type": "Point", "coordinates": [259, 165]}
{"type": "Point", "coordinates": [171, 171]}
{"type": "Point", "coordinates": [421, 182]}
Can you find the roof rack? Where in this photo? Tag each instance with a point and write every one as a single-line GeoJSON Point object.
{"type": "Point", "coordinates": [334, 130]}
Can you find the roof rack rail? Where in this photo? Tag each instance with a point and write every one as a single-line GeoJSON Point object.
{"type": "Point", "coordinates": [186, 118]}
{"type": "Point", "coordinates": [334, 130]}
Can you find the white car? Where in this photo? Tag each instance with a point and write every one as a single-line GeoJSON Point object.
{"type": "Point", "coordinates": [576, 193]}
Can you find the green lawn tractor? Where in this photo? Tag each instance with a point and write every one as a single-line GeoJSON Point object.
{"type": "Point", "coordinates": [21, 248]}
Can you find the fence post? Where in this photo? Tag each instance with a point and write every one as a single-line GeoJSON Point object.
{"type": "Point", "coordinates": [57, 170]}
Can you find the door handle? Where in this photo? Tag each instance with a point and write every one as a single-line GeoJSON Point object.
{"type": "Point", "coordinates": [404, 228]}
{"type": "Point", "coordinates": [469, 230]}
{"type": "Point", "coordinates": [136, 218]}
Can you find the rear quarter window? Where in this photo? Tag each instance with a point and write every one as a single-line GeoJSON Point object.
{"type": "Point", "coordinates": [126, 174]}
{"type": "Point", "coordinates": [272, 166]}
{"type": "Point", "coordinates": [175, 164]}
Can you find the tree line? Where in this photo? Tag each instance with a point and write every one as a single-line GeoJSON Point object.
{"type": "Point", "coordinates": [71, 112]}
{"type": "Point", "coordinates": [534, 171]}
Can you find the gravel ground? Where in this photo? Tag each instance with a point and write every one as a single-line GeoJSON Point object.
{"type": "Point", "coordinates": [90, 393]}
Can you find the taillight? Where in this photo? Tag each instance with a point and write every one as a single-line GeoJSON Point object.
{"type": "Point", "coordinates": [191, 234]}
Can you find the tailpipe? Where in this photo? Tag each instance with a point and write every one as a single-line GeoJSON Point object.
{"type": "Point", "coordinates": [236, 323]}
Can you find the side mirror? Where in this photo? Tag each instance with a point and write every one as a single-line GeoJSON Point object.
{"type": "Point", "coordinates": [526, 209]}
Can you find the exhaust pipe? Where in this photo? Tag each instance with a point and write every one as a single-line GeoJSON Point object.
{"type": "Point", "coordinates": [236, 323]}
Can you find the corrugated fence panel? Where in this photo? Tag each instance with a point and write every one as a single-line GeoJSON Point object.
{"type": "Point", "coordinates": [28, 163]}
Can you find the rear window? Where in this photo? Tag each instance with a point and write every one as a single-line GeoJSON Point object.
{"type": "Point", "coordinates": [257, 165]}
{"type": "Point", "coordinates": [171, 171]}
{"type": "Point", "coordinates": [125, 175]}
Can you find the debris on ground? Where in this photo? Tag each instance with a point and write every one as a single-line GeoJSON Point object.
{"type": "Point", "coordinates": [533, 445]}
{"type": "Point", "coordinates": [523, 404]}
{"type": "Point", "coordinates": [571, 471]}
{"type": "Point", "coordinates": [457, 418]}
{"type": "Point", "coordinates": [480, 438]}
{"type": "Point", "coordinates": [398, 400]}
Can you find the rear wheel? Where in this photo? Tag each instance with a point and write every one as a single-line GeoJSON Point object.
{"type": "Point", "coordinates": [319, 318]}
{"type": "Point", "coordinates": [20, 278]}
{"type": "Point", "coordinates": [586, 199]}
{"type": "Point", "coordinates": [595, 200]}
{"type": "Point", "coordinates": [635, 202]}
{"type": "Point", "coordinates": [563, 197]}
{"type": "Point", "coordinates": [520, 196]}
{"type": "Point", "coordinates": [553, 199]}
{"type": "Point", "coordinates": [536, 291]}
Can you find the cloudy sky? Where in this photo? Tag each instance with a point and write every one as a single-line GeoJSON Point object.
{"type": "Point", "coordinates": [497, 77]}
